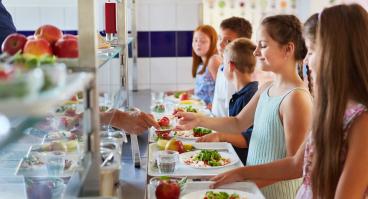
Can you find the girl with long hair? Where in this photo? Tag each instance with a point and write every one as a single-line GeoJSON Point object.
{"type": "Point", "coordinates": [335, 155]}
{"type": "Point", "coordinates": [205, 62]}
{"type": "Point", "coordinates": [278, 127]}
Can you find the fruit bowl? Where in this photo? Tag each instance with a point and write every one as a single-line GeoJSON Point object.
{"type": "Point", "coordinates": [55, 74]}
{"type": "Point", "coordinates": [22, 85]}
{"type": "Point", "coordinates": [44, 187]}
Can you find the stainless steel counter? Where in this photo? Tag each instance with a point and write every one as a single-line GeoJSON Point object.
{"type": "Point", "coordinates": [133, 180]}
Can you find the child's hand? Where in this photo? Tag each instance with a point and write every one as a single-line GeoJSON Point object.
{"type": "Point", "coordinates": [212, 137]}
{"type": "Point", "coordinates": [187, 121]}
{"type": "Point", "coordinates": [226, 178]}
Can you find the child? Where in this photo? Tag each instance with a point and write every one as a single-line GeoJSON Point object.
{"type": "Point", "coordinates": [275, 110]}
{"type": "Point", "coordinates": [239, 64]}
{"type": "Point", "coordinates": [230, 29]}
{"type": "Point", "coordinates": [205, 62]}
{"type": "Point", "coordinates": [336, 155]}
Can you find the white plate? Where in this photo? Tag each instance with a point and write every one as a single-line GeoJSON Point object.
{"type": "Point", "coordinates": [201, 194]}
{"type": "Point", "coordinates": [185, 156]}
{"type": "Point", "coordinates": [186, 135]}
{"type": "Point", "coordinates": [192, 98]}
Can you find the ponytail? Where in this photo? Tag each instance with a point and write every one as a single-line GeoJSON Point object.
{"type": "Point", "coordinates": [310, 79]}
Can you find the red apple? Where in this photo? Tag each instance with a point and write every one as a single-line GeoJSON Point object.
{"type": "Point", "coordinates": [66, 48]}
{"type": "Point", "coordinates": [70, 36]}
{"type": "Point", "coordinates": [49, 32]}
{"type": "Point", "coordinates": [175, 145]}
{"type": "Point", "coordinates": [38, 47]}
{"type": "Point", "coordinates": [13, 43]}
{"type": "Point", "coordinates": [167, 189]}
{"type": "Point", "coordinates": [164, 121]}
{"type": "Point", "coordinates": [184, 96]}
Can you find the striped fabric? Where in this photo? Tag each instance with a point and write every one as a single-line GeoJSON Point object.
{"type": "Point", "coordinates": [268, 143]}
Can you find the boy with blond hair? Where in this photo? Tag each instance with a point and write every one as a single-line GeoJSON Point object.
{"type": "Point", "coordinates": [239, 63]}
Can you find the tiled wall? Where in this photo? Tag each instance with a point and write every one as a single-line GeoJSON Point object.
{"type": "Point", "coordinates": [164, 43]}
{"type": "Point", "coordinates": [164, 35]}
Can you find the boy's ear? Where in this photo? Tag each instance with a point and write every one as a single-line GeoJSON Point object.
{"type": "Point", "coordinates": [232, 66]}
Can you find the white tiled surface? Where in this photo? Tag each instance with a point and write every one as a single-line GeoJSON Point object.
{"type": "Point", "coordinates": [187, 15]}
{"type": "Point", "coordinates": [184, 71]}
{"type": "Point", "coordinates": [181, 87]}
{"type": "Point", "coordinates": [143, 15]}
{"type": "Point", "coordinates": [27, 18]}
{"type": "Point", "coordinates": [162, 17]}
{"type": "Point", "coordinates": [163, 70]}
{"type": "Point", "coordinates": [144, 70]}
{"type": "Point", "coordinates": [71, 18]}
{"type": "Point", "coordinates": [163, 87]}
{"type": "Point", "coordinates": [52, 15]}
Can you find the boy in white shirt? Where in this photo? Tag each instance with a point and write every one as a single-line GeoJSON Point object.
{"type": "Point", "coordinates": [230, 29]}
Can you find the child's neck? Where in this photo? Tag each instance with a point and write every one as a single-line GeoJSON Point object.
{"type": "Point", "coordinates": [288, 77]}
{"type": "Point", "coordinates": [241, 80]}
{"type": "Point", "coordinates": [204, 58]}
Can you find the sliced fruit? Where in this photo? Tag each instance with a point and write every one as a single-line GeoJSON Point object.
{"type": "Point", "coordinates": [161, 143]}
{"type": "Point", "coordinates": [188, 147]}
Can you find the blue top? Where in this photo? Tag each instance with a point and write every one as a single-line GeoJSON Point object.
{"type": "Point", "coordinates": [238, 101]}
{"type": "Point", "coordinates": [6, 23]}
{"type": "Point", "coordinates": [204, 85]}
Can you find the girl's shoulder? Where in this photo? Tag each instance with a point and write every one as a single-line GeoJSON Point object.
{"type": "Point", "coordinates": [215, 60]}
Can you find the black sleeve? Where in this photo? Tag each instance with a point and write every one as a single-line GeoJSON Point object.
{"type": "Point", "coordinates": [6, 23]}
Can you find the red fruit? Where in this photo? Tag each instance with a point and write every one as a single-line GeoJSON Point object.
{"type": "Point", "coordinates": [38, 47]}
{"type": "Point", "coordinates": [70, 112]}
{"type": "Point", "coordinates": [184, 96]}
{"type": "Point", "coordinates": [74, 98]}
{"type": "Point", "coordinates": [66, 48]}
{"type": "Point", "coordinates": [49, 32]}
{"type": "Point", "coordinates": [175, 145]}
{"type": "Point", "coordinates": [167, 189]}
{"type": "Point", "coordinates": [164, 121]}
{"type": "Point", "coordinates": [13, 43]}
{"type": "Point", "coordinates": [163, 134]}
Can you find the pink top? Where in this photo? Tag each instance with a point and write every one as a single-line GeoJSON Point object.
{"type": "Point", "coordinates": [305, 190]}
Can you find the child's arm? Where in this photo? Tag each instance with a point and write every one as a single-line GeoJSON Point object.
{"type": "Point", "coordinates": [285, 169]}
{"type": "Point", "coordinates": [232, 138]}
{"type": "Point", "coordinates": [353, 182]}
{"type": "Point", "coordinates": [296, 116]}
{"type": "Point", "coordinates": [213, 65]}
{"type": "Point", "coordinates": [235, 124]}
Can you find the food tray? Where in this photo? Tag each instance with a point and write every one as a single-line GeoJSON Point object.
{"type": "Point", "coordinates": [189, 187]}
{"type": "Point", "coordinates": [152, 136]}
{"type": "Point", "coordinates": [184, 170]}
{"type": "Point", "coordinates": [40, 170]}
